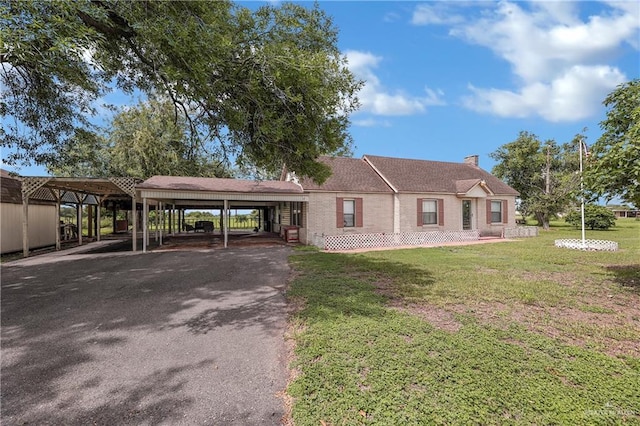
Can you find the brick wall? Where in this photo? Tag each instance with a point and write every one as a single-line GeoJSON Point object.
{"type": "Point", "coordinates": [377, 213]}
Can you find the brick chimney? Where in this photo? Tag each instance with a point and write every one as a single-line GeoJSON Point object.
{"type": "Point", "coordinates": [471, 159]}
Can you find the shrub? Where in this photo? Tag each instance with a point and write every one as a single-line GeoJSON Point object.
{"type": "Point", "coordinates": [595, 217]}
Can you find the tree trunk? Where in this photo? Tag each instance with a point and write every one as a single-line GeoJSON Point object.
{"type": "Point", "coordinates": [543, 220]}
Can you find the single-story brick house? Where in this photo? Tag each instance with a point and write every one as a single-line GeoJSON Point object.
{"type": "Point", "coordinates": [366, 202]}
{"type": "Point", "coordinates": [388, 195]}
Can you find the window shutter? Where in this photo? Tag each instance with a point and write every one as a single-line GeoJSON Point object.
{"type": "Point", "coordinates": [505, 210]}
{"type": "Point", "coordinates": [339, 212]}
{"type": "Point", "coordinates": [359, 212]}
{"type": "Point", "coordinates": [419, 211]}
{"type": "Point", "coordinates": [440, 212]}
{"type": "Point", "coordinates": [488, 212]}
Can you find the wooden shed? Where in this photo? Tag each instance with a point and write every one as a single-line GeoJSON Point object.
{"type": "Point", "coordinates": [42, 215]}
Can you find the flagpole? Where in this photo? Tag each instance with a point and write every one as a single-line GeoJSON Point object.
{"type": "Point", "coordinates": [584, 244]}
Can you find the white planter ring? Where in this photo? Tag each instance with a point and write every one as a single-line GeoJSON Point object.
{"type": "Point", "coordinates": [587, 245]}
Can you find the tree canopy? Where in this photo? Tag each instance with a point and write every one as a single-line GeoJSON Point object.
{"type": "Point", "coordinates": [141, 141]}
{"type": "Point", "coordinates": [613, 169]}
{"type": "Point", "coordinates": [269, 86]}
{"type": "Point", "coordinates": [543, 174]}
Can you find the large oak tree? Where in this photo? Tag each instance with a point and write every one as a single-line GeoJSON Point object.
{"type": "Point", "coordinates": [543, 173]}
{"type": "Point", "coordinates": [613, 169]}
{"type": "Point", "coordinates": [269, 86]}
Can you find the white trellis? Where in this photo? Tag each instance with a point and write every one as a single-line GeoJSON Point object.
{"type": "Point", "coordinates": [587, 245]}
{"type": "Point", "coordinates": [381, 240]}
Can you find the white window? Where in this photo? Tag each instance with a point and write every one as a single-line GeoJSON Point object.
{"type": "Point", "coordinates": [349, 213]}
{"type": "Point", "coordinates": [429, 212]}
{"type": "Point", "coordinates": [496, 211]}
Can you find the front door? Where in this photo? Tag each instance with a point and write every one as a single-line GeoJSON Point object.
{"type": "Point", "coordinates": [466, 215]}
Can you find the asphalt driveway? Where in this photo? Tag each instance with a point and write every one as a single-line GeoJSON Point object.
{"type": "Point", "coordinates": [175, 338]}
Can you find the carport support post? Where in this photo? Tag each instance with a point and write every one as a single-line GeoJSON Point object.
{"type": "Point", "coordinates": [114, 212]}
{"type": "Point", "coordinates": [79, 218]}
{"type": "Point", "coordinates": [134, 229]}
{"type": "Point", "coordinates": [98, 201]}
{"type": "Point", "coordinates": [161, 220]}
{"type": "Point", "coordinates": [145, 210]}
{"type": "Point", "coordinates": [25, 225]}
{"type": "Point", "coordinates": [172, 220]}
{"type": "Point", "coordinates": [56, 195]}
{"type": "Point", "coordinates": [225, 220]}
{"type": "Point", "coordinates": [156, 210]}
{"type": "Point", "coordinates": [89, 221]}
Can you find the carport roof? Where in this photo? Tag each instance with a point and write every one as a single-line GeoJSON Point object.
{"type": "Point", "coordinates": [39, 187]}
{"type": "Point", "coordinates": [185, 183]}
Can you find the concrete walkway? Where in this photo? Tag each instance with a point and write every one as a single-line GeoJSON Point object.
{"type": "Point", "coordinates": [163, 338]}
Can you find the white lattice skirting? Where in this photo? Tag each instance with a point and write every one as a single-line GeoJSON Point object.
{"type": "Point", "coordinates": [381, 240]}
{"type": "Point", "coordinates": [588, 245]}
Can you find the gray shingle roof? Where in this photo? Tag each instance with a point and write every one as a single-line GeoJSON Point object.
{"type": "Point", "coordinates": [348, 175]}
{"type": "Point", "coordinates": [408, 175]}
{"type": "Point", "coordinates": [10, 188]}
{"type": "Point", "coordinates": [11, 191]}
{"type": "Point", "coordinates": [184, 183]}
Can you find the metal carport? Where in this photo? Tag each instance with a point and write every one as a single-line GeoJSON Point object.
{"type": "Point", "coordinates": [56, 188]}
{"type": "Point", "coordinates": [179, 192]}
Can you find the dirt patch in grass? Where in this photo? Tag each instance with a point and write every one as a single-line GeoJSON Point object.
{"type": "Point", "coordinates": [616, 333]}
{"type": "Point", "coordinates": [627, 276]}
{"type": "Point", "coordinates": [602, 315]}
{"type": "Point", "coordinates": [385, 288]}
{"type": "Point", "coordinates": [440, 318]}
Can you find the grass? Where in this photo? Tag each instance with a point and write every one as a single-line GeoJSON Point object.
{"type": "Point", "coordinates": [507, 333]}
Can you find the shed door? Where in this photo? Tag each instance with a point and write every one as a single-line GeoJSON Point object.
{"type": "Point", "coordinates": [466, 215]}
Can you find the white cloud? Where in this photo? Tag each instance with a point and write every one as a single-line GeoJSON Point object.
{"type": "Point", "coordinates": [575, 95]}
{"type": "Point", "coordinates": [391, 17]}
{"type": "Point", "coordinates": [370, 122]}
{"type": "Point", "coordinates": [376, 99]}
{"type": "Point", "coordinates": [551, 49]}
{"type": "Point", "coordinates": [436, 13]}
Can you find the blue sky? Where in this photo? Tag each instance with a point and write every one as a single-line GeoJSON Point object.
{"type": "Point", "coordinates": [449, 79]}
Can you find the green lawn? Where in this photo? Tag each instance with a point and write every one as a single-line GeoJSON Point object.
{"type": "Point", "coordinates": [507, 333]}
